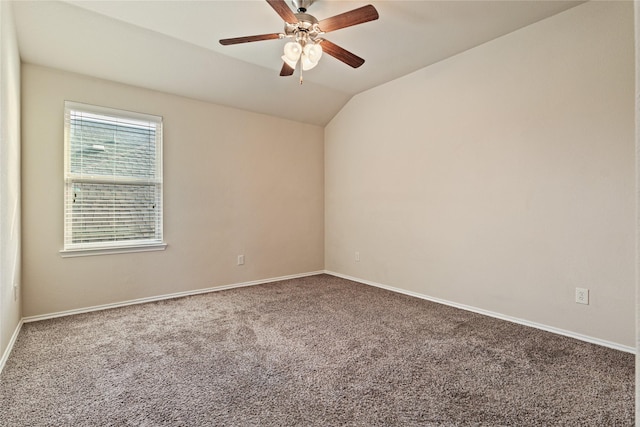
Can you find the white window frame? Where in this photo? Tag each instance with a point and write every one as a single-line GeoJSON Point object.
{"type": "Point", "coordinates": [71, 249]}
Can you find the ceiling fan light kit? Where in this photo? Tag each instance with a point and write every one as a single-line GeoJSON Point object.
{"type": "Point", "coordinates": [306, 31]}
{"type": "Point", "coordinates": [310, 54]}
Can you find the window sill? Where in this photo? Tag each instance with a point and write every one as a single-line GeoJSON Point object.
{"type": "Point", "coordinates": [69, 253]}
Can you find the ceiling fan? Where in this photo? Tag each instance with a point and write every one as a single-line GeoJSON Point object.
{"type": "Point", "coordinates": [306, 33]}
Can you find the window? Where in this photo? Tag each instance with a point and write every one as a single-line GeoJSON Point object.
{"type": "Point", "coordinates": [113, 181]}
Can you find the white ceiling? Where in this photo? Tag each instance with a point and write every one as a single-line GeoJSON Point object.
{"type": "Point", "coordinates": [172, 46]}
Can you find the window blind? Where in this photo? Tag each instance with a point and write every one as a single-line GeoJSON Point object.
{"type": "Point", "coordinates": [113, 178]}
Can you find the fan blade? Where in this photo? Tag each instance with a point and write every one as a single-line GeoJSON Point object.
{"type": "Point", "coordinates": [286, 70]}
{"type": "Point", "coordinates": [356, 16]}
{"type": "Point", "coordinates": [247, 39]}
{"type": "Point", "coordinates": [341, 54]}
{"type": "Point", "coordinates": [283, 10]}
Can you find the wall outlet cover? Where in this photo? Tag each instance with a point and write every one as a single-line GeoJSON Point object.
{"type": "Point", "coordinates": [582, 296]}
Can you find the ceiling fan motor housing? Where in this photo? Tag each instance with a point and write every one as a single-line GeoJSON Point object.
{"type": "Point", "coordinates": [307, 27]}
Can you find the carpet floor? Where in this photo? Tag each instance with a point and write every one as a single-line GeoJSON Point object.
{"type": "Point", "coordinates": [315, 351]}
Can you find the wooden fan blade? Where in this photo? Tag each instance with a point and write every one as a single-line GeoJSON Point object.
{"type": "Point", "coordinates": [341, 54]}
{"type": "Point", "coordinates": [281, 8]}
{"type": "Point", "coordinates": [247, 39]}
{"type": "Point", "coordinates": [286, 70]}
{"type": "Point", "coordinates": [356, 16]}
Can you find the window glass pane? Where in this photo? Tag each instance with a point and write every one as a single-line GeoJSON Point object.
{"type": "Point", "coordinates": [112, 212]}
{"type": "Point", "coordinates": [106, 147]}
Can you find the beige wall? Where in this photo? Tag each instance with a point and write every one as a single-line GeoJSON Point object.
{"type": "Point", "coordinates": [10, 312]}
{"type": "Point", "coordinates": [636, 10]}
{"type": "Point", "coordinates": [501, 178]}
{"type": "Point", "coordinates": [235, 183]}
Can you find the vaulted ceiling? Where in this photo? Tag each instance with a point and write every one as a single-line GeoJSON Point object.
{"type": "Point", "coordinates": [172, 46]}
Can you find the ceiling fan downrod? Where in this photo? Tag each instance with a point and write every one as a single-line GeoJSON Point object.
{"type": "Point", "coordinates": [301, 5]}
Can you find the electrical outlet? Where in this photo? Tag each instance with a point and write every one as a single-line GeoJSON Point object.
{"type": "Point", "coordinates": [582, 296]}
{"type": "Point", "coordinates": [240, 259]}
{"type": "Point", "coordinates": [357, 256]}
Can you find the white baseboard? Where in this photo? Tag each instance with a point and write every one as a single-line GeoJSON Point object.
{"type": "Point", "coordinates": [164, 297]}
{"type": "Point", "coordinates": [12, 341]}
{"type": "Point", "coordinates": [552, 329]}
{"type": "Point", "coordinates": [540, 326]}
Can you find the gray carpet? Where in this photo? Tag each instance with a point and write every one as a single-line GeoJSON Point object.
{"type": "Point", "coordinates": [318, 351]}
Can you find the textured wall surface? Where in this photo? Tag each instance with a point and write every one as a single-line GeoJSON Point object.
{"type": "Point", "coordinates": [501, 178]}
{"type": "Point", "coordinates": [234, 183]}
{"type": "Point", "coordinates": [10, 309]}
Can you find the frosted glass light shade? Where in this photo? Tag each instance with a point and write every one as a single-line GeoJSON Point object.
{"type": "Point", "coordinates": [313, 52]}
{"type": "Point", "coordinates": [292, 51]}
{"type": "Point", "coordinates": [311, 55]}
{"type": "Point", "coordinates": [307, 64]}
{"type": "Point", "coordinates": [290, 63]}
